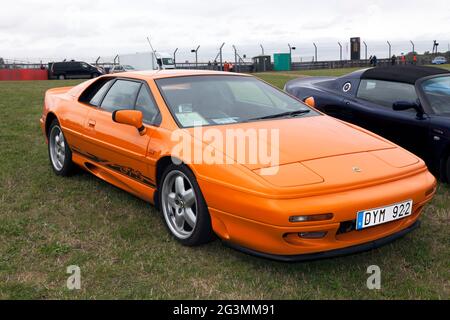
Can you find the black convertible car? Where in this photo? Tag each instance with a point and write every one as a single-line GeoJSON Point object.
{"type": "Point", "coordinates": [408, 105]}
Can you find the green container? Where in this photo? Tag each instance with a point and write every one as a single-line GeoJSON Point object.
{"type": "Point", "coordinates": [282, 62]}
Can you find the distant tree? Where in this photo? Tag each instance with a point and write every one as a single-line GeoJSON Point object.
{"type": "Point", "coordinates": [2, 61]}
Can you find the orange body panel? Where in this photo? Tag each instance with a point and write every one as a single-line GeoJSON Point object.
{"type": "Point", "coordinates": [247, 208]}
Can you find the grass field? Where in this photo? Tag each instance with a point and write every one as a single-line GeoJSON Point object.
{"type": "Point", "coordinates": [124, 251]}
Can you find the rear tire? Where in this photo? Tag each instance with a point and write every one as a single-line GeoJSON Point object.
{"type": "Point", "coordinates": [59, 152]}
{"type": "Point", "coordinates": [183, 207]}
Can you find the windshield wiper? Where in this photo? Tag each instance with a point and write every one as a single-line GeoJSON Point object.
{"type": "Point", "coordinates": [282, 115]}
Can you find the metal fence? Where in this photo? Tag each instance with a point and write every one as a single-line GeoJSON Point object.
{"type": "Point", "coordinates": [23, 66]}
{"type": "Point", "coordinates": [243, 67]}
{"type": "Point", "coordinates": [240, 67]}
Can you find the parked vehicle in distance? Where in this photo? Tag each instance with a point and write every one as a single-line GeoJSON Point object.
{"type": "Point", "coordinates": [73, 70]}
{"type": "Point", "coordinates": [148, 61]}
{"type": "Point", "coordinates": [121, 68]}
{"type": "Point", "coordinates": [439, 60]}
{"type": "Point", "coordinates": [333, 189]}
{"type": "Point", "coordinates": [408, 105]}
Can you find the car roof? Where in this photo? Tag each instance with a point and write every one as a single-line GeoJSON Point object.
{"type": "Point", "coordinates": [159, 74]}
{"type": "Point", "coordinates": [405, 74]}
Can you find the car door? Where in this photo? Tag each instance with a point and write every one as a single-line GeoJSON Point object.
{"type": "Point", "coordinates": [372, 109]}
{"type": "Point", "coordinates": [119, 147]}
{"type": "Point", "coordinates": [70, 69]}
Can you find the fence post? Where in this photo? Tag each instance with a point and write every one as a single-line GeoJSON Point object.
{"type": "Point", "coordinates": [315, 52]}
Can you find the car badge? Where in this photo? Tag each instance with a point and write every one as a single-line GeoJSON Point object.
{"type": "Point", "coordinates": [347, 87]}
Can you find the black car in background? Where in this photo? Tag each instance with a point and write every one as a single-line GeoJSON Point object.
{"type": "Point", "coordinates": [73, 70]}
{"type": "Point", "coordinates": [408, 105]}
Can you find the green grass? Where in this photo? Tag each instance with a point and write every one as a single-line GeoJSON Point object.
{"type": "Point", "coordinates": [48, 223]}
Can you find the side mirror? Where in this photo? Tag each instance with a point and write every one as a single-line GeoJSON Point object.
{"type": "Point", "coordinates": [130, 117]}
{"type": "Point", "coordinates": [406, 105]}
{"type": "Point", "coordinates": [310, 102]}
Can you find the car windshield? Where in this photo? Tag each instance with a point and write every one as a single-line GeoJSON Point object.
{"type": "Point", "coordinates": [128, 67]}
{"type": "Point", "coordinates": [220, 100]}
{"type": "Point", "coordinates": [167, 61]}
{"type": "Point", "coordinates": [437, 92]}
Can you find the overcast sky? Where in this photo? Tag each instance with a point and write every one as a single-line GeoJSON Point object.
{"type": "Point", "coordinates": [85, 29]}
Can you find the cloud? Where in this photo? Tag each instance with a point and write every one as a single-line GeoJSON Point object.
{"type": "Point", "coordinates": [85, 29]}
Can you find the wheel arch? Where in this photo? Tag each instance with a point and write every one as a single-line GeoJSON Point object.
{"type": "Point", "coordinates": [48, 121]}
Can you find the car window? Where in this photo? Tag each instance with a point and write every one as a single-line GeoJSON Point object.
{"type": "Point", "coordinates": [146, 105]}
{"type": "Point", "coordinates": [437, 92]}
{"type": "Point", "coordinates": [386, 93]}
{"type": "Point", "coordinates": [97, 98]}
{"type": "Point", "coordinates": [121, 96]}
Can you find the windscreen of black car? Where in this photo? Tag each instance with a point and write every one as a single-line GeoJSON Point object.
{"type": "Point", "coordinates": [437, 91]}
{"type": "Point", "coordinates": [220, 100]}
{"type": "Point", "coordinates": [167, 61]}
{"type": "Point", "coordinates": [386, 93]}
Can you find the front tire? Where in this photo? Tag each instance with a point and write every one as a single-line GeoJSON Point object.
{"type": "Point", "coordinates": [183, 207]}
{"type": "Point", "coordinates": [59, 152]}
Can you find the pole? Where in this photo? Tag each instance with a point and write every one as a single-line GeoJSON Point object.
{"type": "Point", "coordinates": [290, 53]}
{"type": "Point", "coordinates": [174, 57]}
{"type": "Point", "coordinates": [340, 50]}
{"type": "Point", "coordinates": [221, 57]}
{"type": "Point", "coordinates": [154, 53]}
{"type": "Point", "coordinates": [315, 52]}
{"type": "Point", "coordinates": [390, 49]}
{"type": "Point", "coordinates": [196, 56]}
{"type": "Point", "coordinates": [262, 49]}
{"type": "Point", "coordinates": [235, 58]}
{"type": "Point", "coordinates": [413, 47]}
{"type": "Point", "coordinates": [365, 46]}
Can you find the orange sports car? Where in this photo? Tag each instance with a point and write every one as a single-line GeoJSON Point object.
{"type": "Point", "coordinates": [229, 155]}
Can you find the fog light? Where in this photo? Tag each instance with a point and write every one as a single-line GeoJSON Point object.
{"type": "Point", "coordinates": [312, 235]}
{"type": "Point", "coordinates": [317, 217]}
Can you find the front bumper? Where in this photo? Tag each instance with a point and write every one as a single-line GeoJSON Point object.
{"type": "Point", "coordinates": [262, 225]}
{"type": "Point", "coordinates": [328, 254]}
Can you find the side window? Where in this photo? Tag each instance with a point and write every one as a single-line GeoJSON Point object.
{"type": "Point", "coordinates": [121, 96]}
{"type": "Point", "coordinates": [97, 98]}
{"type": "Point", "coordinates": [146, 105]}
{"type": "Point", "coordinates": [385, 93]}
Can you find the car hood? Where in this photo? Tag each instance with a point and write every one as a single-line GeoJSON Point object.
{"type": "Point", "coordinates": [314, 150]}
{"type": "Point", "coordinates": [299, 139]}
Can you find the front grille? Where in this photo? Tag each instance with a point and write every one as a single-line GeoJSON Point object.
{"type": "Point", "coordinates": [346, 227]}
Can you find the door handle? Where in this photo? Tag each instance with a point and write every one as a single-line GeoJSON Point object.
{"type": "Point", "coordinates": [91, 123]}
